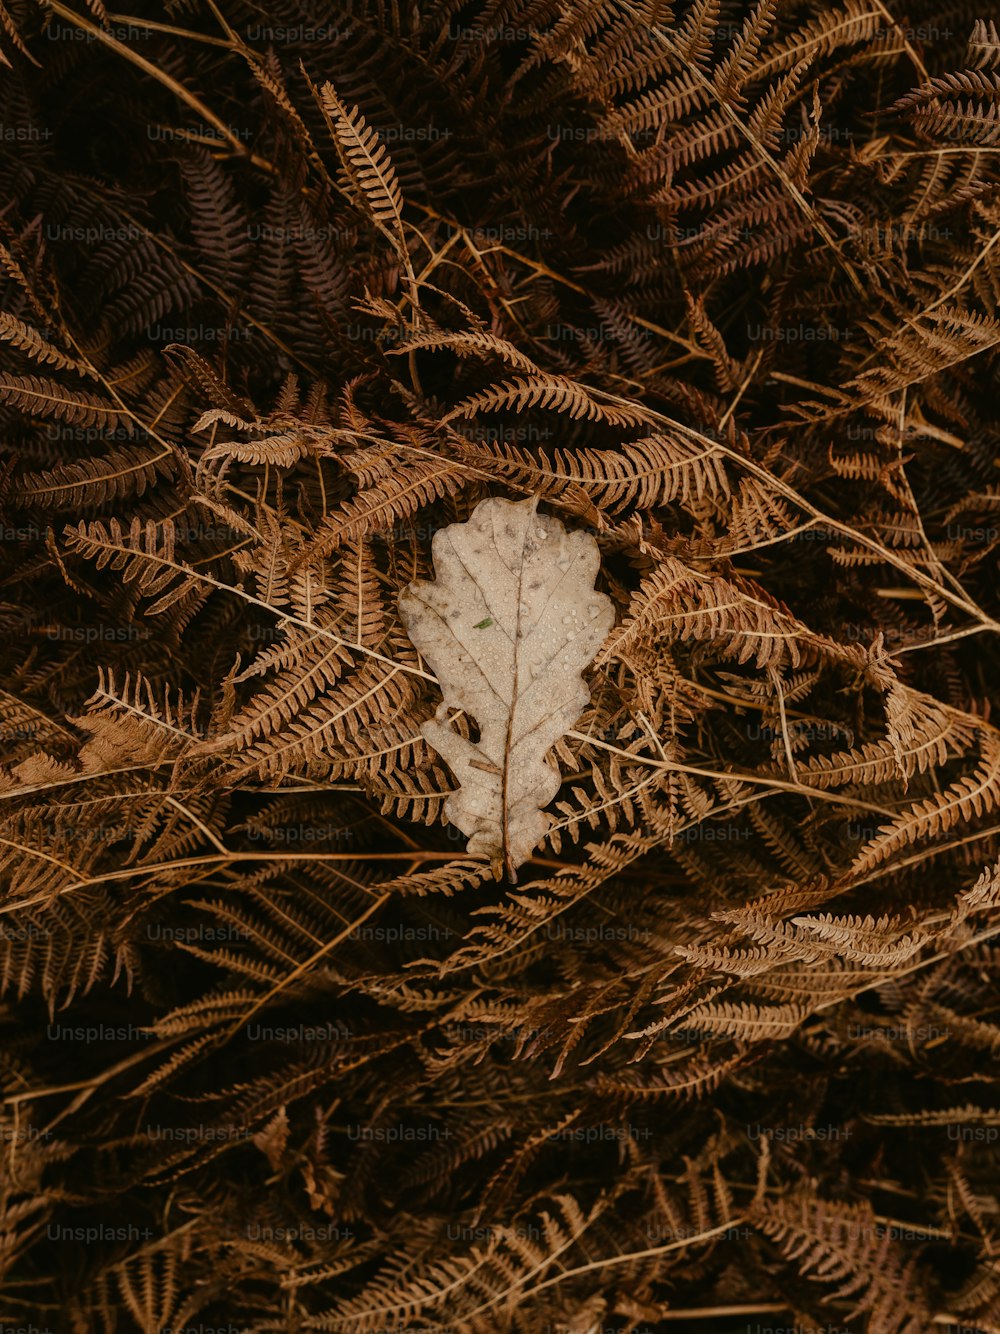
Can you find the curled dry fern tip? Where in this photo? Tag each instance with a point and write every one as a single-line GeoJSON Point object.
{"type": "Point", "coordinates": [499, 775]}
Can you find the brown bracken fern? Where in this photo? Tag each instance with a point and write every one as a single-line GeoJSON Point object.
{"type": "Point", "coordinates": [283, 293]}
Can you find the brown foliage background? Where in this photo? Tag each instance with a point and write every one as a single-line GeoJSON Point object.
{"type": "Point", "coordinates": [281, 293]}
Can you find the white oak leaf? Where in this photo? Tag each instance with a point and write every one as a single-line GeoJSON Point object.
{"type": "Point", "coordinates": [508, 626]}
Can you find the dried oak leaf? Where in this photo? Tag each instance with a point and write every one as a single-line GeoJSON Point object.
{"type": "Point", "coordinates": [508, 625]}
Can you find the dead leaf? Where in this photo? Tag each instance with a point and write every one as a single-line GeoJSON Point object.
{"type": "Point", "coordinates": [508, 625]}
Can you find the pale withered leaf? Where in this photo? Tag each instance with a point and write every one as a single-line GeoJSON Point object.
{"type": "Point", "coordinates": [508, 625]}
